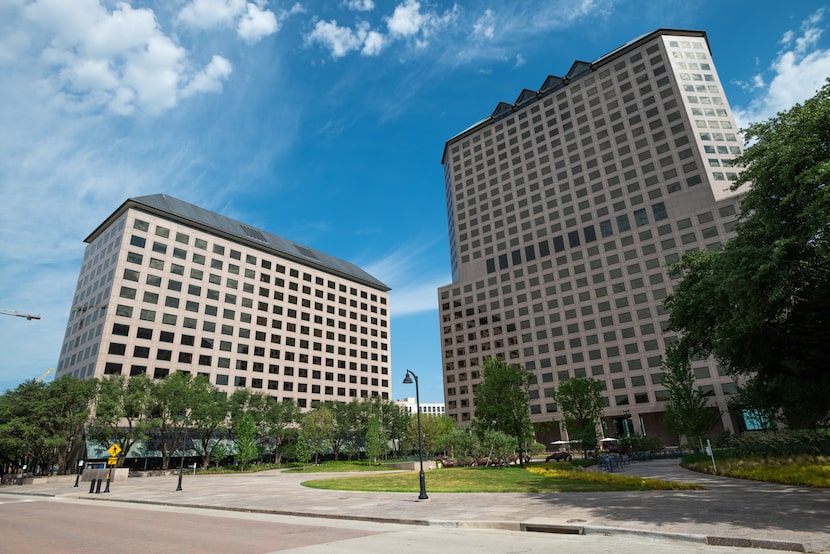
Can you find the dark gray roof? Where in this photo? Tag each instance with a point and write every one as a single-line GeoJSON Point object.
{"type": "Point", "coordinates": [178, 210]}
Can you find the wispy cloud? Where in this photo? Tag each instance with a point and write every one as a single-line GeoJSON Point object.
{"type": "Point", "coordinates": [798, 71]}
{"type": "Point", "coordinates": [413, 280]}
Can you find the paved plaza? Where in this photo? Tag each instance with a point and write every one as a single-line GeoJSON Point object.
{"type": "Point", "coordinates": [728, 511]}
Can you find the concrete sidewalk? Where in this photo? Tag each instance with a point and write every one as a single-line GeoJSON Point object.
{"type": "Point", "coordinates": [729, 511]}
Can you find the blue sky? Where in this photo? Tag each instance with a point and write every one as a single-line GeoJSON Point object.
{"type": "Point", "coordinates": [323, 122]}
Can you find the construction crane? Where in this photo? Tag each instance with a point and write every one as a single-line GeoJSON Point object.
{"type": "Point", "coordinates": [44, 374]}
{"type": "Point", "coordinates": [18, 314]}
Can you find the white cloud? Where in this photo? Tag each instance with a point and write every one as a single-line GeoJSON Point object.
{"type": "Point", "coordinates": [485, 26]}
{"type": "Point", "coordinates": [360, 5]}
{"type": "Point", "coordinates": [797, 73]}
{"type": "Point", "coordinates": [339, 40]}
{"type": "Point", "coordinates": [373, 44]}
{"type": "Point", "coordinates": [342, 40]}
{"type": "Point", "coordinates": [252, 21]}
{"type": "Point", "coordinates": [207, 14]}
{"type": "Point", "coordinates": [257, 24]}
{"type": "Point", "coordinates": [121, 60]}
{"type": "Point", "coordinates": [406, 20]}
{"type": "Point", "coordinates": [210, 79]}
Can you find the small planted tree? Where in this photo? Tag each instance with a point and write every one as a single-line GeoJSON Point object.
{"type": "Point", "coordinates": [688, 413]}
{"type": "Point", "coordinates": [502, 401]}
{"type": "Point", "coordinates": [319, 429]}
{"type": "Point", "coordinates": [375, 444]}
{"type": "Point", "coordinates": [580, 401]}
{"type": "Point", "coordinates": [301, 450]}
{"type": "Point", "coordinates": [245, 440]}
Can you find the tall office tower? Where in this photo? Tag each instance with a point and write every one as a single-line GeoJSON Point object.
{"type": "Point", "coordinates": [565, 209]}
{"type": "Point", "coordinates": [166, 286]}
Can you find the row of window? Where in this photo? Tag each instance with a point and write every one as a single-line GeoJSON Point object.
{"type": "Point", "coordinates": [218, 249]}
{"type": "Point", "coordinates": [113, 368]}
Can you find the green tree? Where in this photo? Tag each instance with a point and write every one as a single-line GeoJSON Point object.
{"type": "Point", "coordinates": [346, 432]}
{"type": "Point", "coordinates": [208, 420]}
{"type": "Point", "coordinates": [499, 445]}
{"type": "Point", "coordinates": [302, 451]}
{"type": "Point", "coordinates": [755, 399]}
{"type": "Point", "coordinates": [318, 430]}
{"type": "Point", "coordinates": [580, 401]}
{"type": "Point", "coordinates": [69, 403]}
{"type": "Point", "coordinates": [245, 440]}
{"type": "Point", "coordinates": [122, 413]}
{"type": "Point", "coordinates": [688, 412]}
{"type": "Point", "coordinates": [23, 420]}
{"type": "Point", "coordinates": [375, 443]}
{"type": "Point", "coordinates": [463, 444]}
{"type": "Point", "coordinates": [171, 400]}
{"type": "Point", "coordinates": [280, 416]}
{"type": "Point", "coordinates": [502, 401]}
{"type": "Point", "coordinates": [761, 305]}
{"type": "Point", "coordinates": [435, 432]}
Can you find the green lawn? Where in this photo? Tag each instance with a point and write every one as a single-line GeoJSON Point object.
{"type": "Point", "coordinates": [537, 478]}
{"type": "Point", "coordinates": [807, 471]}
{"type": "Point", "coordinates": [339, 467]}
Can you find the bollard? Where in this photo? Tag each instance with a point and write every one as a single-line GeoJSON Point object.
{"type": "Point", "coordinates": [108, 483]}
{"type": "Point", "coordinates": [92, 486]}
{"type": "Point", "coordinates": [98, 487]}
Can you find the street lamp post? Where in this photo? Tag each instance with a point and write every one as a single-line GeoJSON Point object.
{"type": "Point", "coordinates": [181, 461]}
{"type": "Point", "coordinates": [408, 381]}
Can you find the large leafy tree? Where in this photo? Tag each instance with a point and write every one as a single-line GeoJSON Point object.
{"type": "Point", "coordinates": [580, 401]}
{"type": "Point", "coordinates": [346, 432]}
{"type": "Point", "coordinates": [171, 400]}
{"type": "Point", "coordinates": [688, 412]}
{"type": "Point", "coordinates": [122, 413]}
{"type": "Point", "coordinates": [279, 419]}
{"type": "Point", "coordinates": [69, 405]}
{"type": "Point", "coordinates": [318, 430]}
{"type": "Point", "coordinates": [761, 305]}
{"type": "Point", "coordinates": [435, 432]}
{"type": "Point", "coordinates": [502, 401]}
{"type": "Point", "coordinates": [208, 421]}
{"type": "Point", "coordinates": [41, 424]}
{"type": "Point", "coordinates": [23, 422]}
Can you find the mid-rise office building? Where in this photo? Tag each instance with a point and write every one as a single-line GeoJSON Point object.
{"type": "Point", "coordinates": [166, 286]}
{"type": "Point", "coordinates": [565, 209]}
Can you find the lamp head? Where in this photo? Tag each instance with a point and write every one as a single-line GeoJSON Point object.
{"type": "Point", "coordinates": [407, 380]}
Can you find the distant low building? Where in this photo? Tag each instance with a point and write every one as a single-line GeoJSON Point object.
{"type": "Point", "coordinates": [166, 286]}
{"type": "Point", "coordinates": [427, 408]}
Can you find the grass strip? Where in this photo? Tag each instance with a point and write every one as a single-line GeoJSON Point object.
{"type": "Point", "coordinates": [535, 479]}
{"type": "Point", "coordinates": [805, 471]}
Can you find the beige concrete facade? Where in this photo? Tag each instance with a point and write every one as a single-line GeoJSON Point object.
{"type": "Point", "coordinates": [565, 209]}
{"type": "Point", "coordinates": [166, 286]}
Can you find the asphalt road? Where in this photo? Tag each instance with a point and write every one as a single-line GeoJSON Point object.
{"type": "Point", "coordinates": [50, 525]}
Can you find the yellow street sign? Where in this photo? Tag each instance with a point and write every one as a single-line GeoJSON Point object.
{"type": "Point", "coordinates": [114, 450]}
{"type": "Point", "coordinates": [112, 461]}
